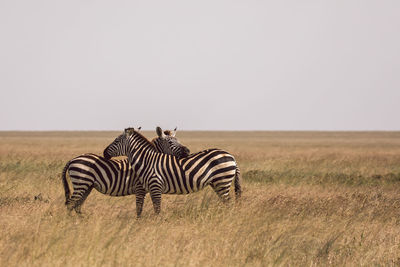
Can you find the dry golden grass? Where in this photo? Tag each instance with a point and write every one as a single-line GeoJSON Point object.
{"type": "Point", "coordinates": [310, 198]}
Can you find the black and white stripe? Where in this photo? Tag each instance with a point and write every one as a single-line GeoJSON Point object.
{"type": "Point", "coordinates": [113, 177]}
{"type": "Point", "coordinates": [167, 174]}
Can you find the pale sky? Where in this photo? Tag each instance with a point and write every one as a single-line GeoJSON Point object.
{"type": "Point", "coordinates": [200, 65]}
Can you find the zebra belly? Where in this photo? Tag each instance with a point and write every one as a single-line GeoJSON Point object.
{"type": "Point", "coordinates": [172, 192]}
{"type": "Point", "coordinates": [124, 186]}
{"type": "Point", "coordinates": [119, 184]}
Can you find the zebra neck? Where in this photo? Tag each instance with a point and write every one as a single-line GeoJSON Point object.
{"type": "Point", "coordinates": [141, 156]}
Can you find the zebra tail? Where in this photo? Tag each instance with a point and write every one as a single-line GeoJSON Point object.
{"type": "Point", "coordinates": [238, 188]}
{"type": "Point", "coordinates": [65, 182]}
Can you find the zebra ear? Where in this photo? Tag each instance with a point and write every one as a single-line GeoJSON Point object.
{"type": "Point", "coordinates": [126, 132]}
{"type": "Point", "coordinates": [173, 133]}
{"type": "Point", "coordinates": [129, 131]}
{"type": "Point", "coordinates": [139, 128]}
{"type": "Point", "coordinates": [160, 132]}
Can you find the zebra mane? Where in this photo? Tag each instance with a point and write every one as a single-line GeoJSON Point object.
{"type": "Point", "coordinates": [142, 137]}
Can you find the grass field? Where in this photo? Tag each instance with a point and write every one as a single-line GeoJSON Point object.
{"type": "Point", "coordinates": [310, 199]}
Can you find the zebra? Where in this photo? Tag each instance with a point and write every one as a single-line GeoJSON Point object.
{"type": "Point", "coordinates": [113, 177]}
{"type": "Point", "coordinates": [167, 174]}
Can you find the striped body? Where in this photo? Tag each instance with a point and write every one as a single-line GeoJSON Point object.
{"type": "Point", "coordinates": [165, 174]}
{"type": "Point", "coordinates": [213, 167]}
{"type": "Point", "coordinates": [114, 177]}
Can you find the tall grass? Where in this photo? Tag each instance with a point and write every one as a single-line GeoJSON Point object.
{"type": "Point", "coordinates": [309, 199]}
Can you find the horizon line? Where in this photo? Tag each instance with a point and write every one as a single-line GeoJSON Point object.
{"type": "Point", "coordinates": [209, 130]}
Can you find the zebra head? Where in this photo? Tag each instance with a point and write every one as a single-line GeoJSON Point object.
{"type": "Point", "coordinates": [120, 146]}
{"type": "Point", "coordinates": [167, 143]}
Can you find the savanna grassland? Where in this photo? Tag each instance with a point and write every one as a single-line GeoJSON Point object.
{"type": "Point", "coordinates": [309, 199]}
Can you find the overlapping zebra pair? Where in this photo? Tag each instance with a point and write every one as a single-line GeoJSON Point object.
{"type": "Point", "coordinates": [162, 166]}
{"type": "Point", "coordinates": [114, 177]}
{"type": "Point", "coordinates": [160, 173]}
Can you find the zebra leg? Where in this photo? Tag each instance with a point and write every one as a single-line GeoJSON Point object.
{"type": "Point", "coordinates": [77, 198]}
{"type": "Point", "coordinates": [222, 190]}
{"type": "Point", "coordinates": [238, 187]}
{"type": "Point", "coordinates": [156, 198]}
{"type": "Point", "coordinates": [140, 195]}
{"type": "Point", "coordinates": [79, 203]}
{"type": "Point", "coordinates": [72, 202]}
{"type": "Point", "coordinates": [155, 193]}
